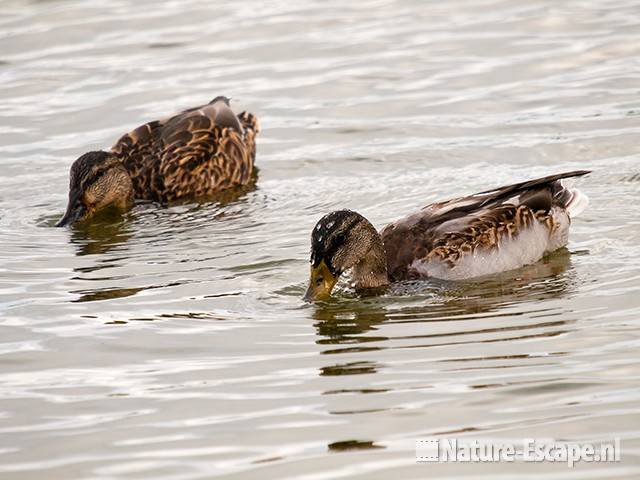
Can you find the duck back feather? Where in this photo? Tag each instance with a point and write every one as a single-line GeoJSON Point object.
{"type": "Point", "coordinates": [484, 233]}
{"type": "Point", "coordinates": [193, 154]}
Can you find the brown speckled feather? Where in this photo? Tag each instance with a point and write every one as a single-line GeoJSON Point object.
{"type": "Point", "coordinates": [452, 230]}
{"type": "Point", "coordinates": [193, 154]}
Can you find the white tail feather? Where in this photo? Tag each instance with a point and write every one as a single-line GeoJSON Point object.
{"type": "Point", "coordinates": [578, 203]}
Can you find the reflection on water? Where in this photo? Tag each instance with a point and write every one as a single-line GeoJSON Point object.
{"type": "Point", "coordinates": [172, 342]}
{"type": "Point", "coordinates": [104, 294]}
{"type": "Point", "coordinates": [345, 320]}
{"type": "Point", "coordinates": [101, 236]}
{"type": "Point", "coordinates": [108, 229]}
{"type": "Point", "coordinates": [352, 445]}
{"type": "Point", "coordinates": [108, 236]}
{"type": "Point", "coordinates": [355, 368]}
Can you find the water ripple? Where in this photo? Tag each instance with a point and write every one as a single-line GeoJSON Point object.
{"type": "Point", "coordinates": [172, 343]}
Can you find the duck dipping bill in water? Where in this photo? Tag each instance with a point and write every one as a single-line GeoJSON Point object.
{"type": "Point", "coordinates": [192, 155]}
{"type": "Point", "coordinates": [481, 234]}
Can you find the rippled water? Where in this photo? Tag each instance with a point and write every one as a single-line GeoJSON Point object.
{"type": "Point", "coordinates": [173, 343]}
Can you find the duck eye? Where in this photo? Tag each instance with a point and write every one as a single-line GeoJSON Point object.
{"type": "Point", "coordinates": [319, 281]}
{"type": "Point", "coordinates": [340, 238]}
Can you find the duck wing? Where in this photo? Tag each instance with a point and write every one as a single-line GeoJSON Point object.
{"type": "Point", "coordinates": [195, 153]}
{"type": "Point", "coordinates": [469, 236]}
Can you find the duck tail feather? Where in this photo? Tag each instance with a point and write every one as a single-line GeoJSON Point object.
{"type": "Point", "coordinates": [576, 202]}
{"type": "Point", "coordinates": [250, 121]}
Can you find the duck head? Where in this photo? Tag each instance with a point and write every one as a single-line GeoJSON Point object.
{"type": "Point", "coordinates": [342, 240]}
{"type": "Point", "coordinates": [97, 180]}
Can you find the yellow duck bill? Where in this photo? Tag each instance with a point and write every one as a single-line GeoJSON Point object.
{"type": "Point", "coordinates": [321, 283]}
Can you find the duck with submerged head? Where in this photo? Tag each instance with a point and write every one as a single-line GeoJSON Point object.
{"type": "Point", "coordinates": [481, 234]}
{"type": "Point", "coordinates": [192, 155]}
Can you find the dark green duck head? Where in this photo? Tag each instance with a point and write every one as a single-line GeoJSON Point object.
{"type": "Point", "coordinates": [340, 241]}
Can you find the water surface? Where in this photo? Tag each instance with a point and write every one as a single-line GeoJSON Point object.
{"type": "Point", "coordinates": [172, 343]}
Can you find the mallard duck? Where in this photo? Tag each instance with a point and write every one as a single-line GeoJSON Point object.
{"type": "Point", "coordinates": [481, 234]}
{"type": "Point", "coordinates": [191, 155]}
